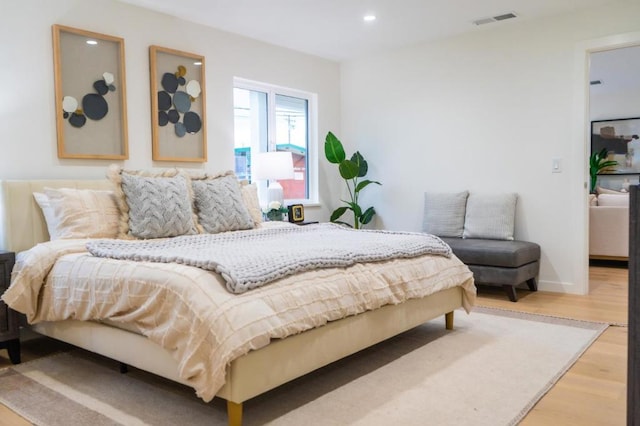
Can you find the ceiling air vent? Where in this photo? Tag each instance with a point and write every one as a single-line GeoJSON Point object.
{"type": "Point", "coordinates": [496, 18]}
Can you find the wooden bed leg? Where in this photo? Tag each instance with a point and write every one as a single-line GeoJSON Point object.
{"type": "Point", "coordinates": [234, 413]}
{"type": "Point", "coordinates": [448, 320]}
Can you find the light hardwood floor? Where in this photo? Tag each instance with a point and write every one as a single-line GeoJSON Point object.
{"type": "Point", "coordinates": [592, 392]}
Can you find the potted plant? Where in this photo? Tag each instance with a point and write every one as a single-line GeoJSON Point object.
{"type": "Point", "coordinates": [274, 211]}
{"type": "Point", "coordinates": [351, 170]}
{"type": "Point", "coordinates": [598, 162]}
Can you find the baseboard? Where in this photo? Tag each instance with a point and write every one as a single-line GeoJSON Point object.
{"type": "Point", "coordinates": [559, 287]}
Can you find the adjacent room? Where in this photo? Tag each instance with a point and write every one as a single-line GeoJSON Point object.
{"type": "Point", "coordinates": [288, 212]}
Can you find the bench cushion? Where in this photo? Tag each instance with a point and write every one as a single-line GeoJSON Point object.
{"type": "Point", "coordinates": [510, 276]}
{"type": "Point", "coordinates": [507, 254]}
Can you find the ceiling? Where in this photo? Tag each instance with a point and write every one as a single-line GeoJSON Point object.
{"type": "Point", "coordinates": [335, 29]}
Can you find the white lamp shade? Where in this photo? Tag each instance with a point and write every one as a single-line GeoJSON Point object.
{"type": "Point", "coordinates": [272, 165]}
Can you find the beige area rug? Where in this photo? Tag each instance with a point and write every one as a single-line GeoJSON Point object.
{"type": "Point", "coordinates": [490, 370]}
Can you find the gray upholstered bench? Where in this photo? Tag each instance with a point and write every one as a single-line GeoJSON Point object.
{"type": "Point", "coordinates": [479, 228]}
{"type": "Point", "coordinates": [499, 262]}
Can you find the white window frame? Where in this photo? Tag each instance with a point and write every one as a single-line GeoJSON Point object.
{"type": "Point", "coordinates": [312, 126]}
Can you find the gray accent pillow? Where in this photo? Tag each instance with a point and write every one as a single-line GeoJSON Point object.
{"type": "Point", "coordinates": [490, 216]}
{"type": "Point", "coordinates": [444, 213]}
{"type": "Point", "coordinates": [220, 206]}
{"type": "Point", "coordinates": [158, 206]}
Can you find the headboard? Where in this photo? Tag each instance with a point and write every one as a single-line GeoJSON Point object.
{"type": "Point", "coordinates": [22, 224]}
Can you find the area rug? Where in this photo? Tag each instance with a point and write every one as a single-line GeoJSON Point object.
{"type": "Point", "coordinates": [490, 370]}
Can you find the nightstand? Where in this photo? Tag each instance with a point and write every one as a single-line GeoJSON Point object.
{"type": "Point", "coordinates": [9, 328]}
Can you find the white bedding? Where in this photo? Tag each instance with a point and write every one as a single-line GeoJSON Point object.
{"type": "Point", "coordinates": [189, 312]}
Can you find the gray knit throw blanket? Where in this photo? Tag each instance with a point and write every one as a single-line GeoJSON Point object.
{"type": "Point", "coordinates": [250, 259]}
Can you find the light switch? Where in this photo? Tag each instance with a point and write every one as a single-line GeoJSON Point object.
{"type": "Point", "coordinates": [556, 165]}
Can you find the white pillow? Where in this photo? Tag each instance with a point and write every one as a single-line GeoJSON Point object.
{"type": "Point", "coordinates": [79, 213]}
{"type": "Point", "coordinates": [444, 213]}
{"type": "Point", "coordinates": [47, 212]}
{"type": "Point", "coordinates": [251, 201]}
{"type": "Point", "coordinates": [490, 216]}
{"type": "Point", "coordinates": [617, 200]}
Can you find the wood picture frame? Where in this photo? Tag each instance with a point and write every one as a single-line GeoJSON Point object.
{"type": "Point", "coordinates": [621, 139]}
{"type": "Point", "coordinates": [178, 105]}
{"type": "Point", "coordinates": [90, 94]}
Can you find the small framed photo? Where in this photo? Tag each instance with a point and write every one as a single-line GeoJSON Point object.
{"type": "Point", "coordinates": [296, 213]}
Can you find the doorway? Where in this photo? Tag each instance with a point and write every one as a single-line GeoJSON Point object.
{"type": "Point", "coordinates": [611, 91]}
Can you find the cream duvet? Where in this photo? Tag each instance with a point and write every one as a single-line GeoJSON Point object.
{"type": "Point", "coordinates": [189, 312]}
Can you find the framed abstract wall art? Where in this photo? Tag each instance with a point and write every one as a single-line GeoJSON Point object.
{"type": "Point", "coordinates": [90, 93]}
{"type": "Point", "coordinates": [620, 138]}
{"type": "Point", "coordinates": [177, 105]}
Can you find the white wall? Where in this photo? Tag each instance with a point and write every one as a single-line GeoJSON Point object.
{"type": "Point", "coordinates": [487, 112]}
{"type": "Point", "coordinates": [27, 108]}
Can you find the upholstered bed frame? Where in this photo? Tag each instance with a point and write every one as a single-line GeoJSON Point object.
{"type": "Point", "coordinates": [23, 226]}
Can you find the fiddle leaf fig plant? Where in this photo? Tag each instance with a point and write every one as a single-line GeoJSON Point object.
{"type": "Point", "coordinates": [352, 171]}
{"type": "Point", "coordinates": [598, 162]}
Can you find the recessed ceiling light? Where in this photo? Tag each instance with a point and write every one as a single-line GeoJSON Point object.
{"type": "Point", "coordinates": [92, 42]}
{"type": "Point", "coordinates": [369, 18]}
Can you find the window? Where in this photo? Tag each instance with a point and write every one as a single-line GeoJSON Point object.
{"type": "Point", "coordinates": [271, 118]}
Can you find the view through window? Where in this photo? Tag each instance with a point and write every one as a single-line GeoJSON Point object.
{"type": "Point", "coordinates": [268, 118]}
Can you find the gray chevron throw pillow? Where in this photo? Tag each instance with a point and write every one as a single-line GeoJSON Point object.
{"type": "Point", "coordinates": [220, 205]}
{"type": "Point", "coordinates": [158, 206]}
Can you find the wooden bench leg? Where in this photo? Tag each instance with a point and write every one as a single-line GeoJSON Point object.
{"type": "Point", "coordinates": [511, 292]}
{"type": "Point", "coordinates": [448, 320]}
{"type": "Point", "coordinates": [531, 283]}
{"type": "Point", "coordinates": [234, 413]}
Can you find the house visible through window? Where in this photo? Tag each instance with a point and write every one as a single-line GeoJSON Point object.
{"type": "Point", "coordinates": [270, 118]}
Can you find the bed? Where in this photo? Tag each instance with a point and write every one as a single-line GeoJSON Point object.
{"type": "Point", "coordinates": [245, 376]}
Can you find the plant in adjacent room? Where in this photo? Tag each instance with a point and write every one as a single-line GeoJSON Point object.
{"type": "Point", "coordinates": [352, 171]}
{"type": "Point", "coordinates": [597, 163]}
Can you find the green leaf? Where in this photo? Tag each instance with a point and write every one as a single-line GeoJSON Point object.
{"type": "Point", "coordinates": [363, 167]}
{"type": "Point", "coordinates": [356, 208]}
{"type": "Point", "coordinates": [598, 161]}
{"type": "Point", "coordinates": [333, 149]}
{"type": "Point", "coordinates": [606, 164]}
{"type": "Point", "coordinates": [348, 169]}
{"type": "Point", "coordinates": [367, 215]}
{"type": "Point", "coordinates": [364, 183]}
{"type": "Point", "coordinates": [337, 213]}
